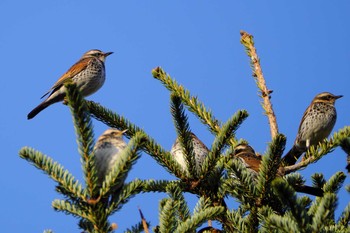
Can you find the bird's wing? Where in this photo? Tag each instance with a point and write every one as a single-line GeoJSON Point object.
{"type": "Point", "coordinates": [74, 70]}
{"type": "Point", "coordinates": [251, 161]}
{"type": "Point", "coordinates": [302, 122]}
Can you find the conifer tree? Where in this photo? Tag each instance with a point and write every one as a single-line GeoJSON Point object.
{"type": "Point", "coordinates": [270, 200]}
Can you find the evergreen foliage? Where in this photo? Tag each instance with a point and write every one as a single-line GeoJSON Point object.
{"type": "Point", "coordinates": [267, 202]}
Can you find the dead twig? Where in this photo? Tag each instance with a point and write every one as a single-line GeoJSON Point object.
{"type": "Point", "coordinates": [301, 164]}
{"type": "Point", "coordinates": [144, 223]}
{"type": "Point", "coordinates": [248, 42]}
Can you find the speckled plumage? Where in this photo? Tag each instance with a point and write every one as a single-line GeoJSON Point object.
{"type": "Point", "coordinates": [88, 74]}
{"type": "Point", "coordinates": [200, 151]}
{"type": "Point", "coordinates": [248, 157]}
{"type": "Point", "coordinates": [107, 149]}
{"type": "Point", "coordinates": [317, 123]}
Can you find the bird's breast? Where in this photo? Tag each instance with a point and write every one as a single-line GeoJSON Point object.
{"type": "Point", "coordinates": [91, 79]}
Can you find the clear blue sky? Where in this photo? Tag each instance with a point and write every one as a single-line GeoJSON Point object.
{"type": "Point", "coordinates": [304, 49]}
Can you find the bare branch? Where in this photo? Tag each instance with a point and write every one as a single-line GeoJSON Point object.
{"type": "Point", "coordinates": [248, 42]}
{"type": "Point", "coordinates": [144, 223]}
{"type": "Point", "coordinates": [298, 166]}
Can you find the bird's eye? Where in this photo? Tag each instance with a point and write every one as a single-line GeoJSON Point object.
{"type": "Point", "coordinates": [326, 97]}
{"type": "Point", "coordinates": [238, 150]}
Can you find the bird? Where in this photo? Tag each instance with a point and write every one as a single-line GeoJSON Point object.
{"type": "Point", "coordinates": [316, 125]}
{"type": "Point", "coordinates": [252, 161]}
{"type": "Point", "coordinates": [249, 158]}
{"type": "Point", "coordinates": [200, 151]}
{"type": "Point", "coordinates": [88, 74]}
{"type": "Point", "coordinates": [107, 150]}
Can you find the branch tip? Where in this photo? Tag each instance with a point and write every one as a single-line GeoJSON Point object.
{"type": "Point", "coordinates": [248, 43]}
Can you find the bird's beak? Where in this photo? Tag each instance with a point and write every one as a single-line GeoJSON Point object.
{"type": "Point", "coordinates": [338, 96]}
{"type": "Point", "coordinates": [108, 53]}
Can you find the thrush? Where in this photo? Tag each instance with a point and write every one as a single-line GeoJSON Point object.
{"type": "Point", "coordinates": [253, 160]}
{"type": "Point", "coordinates": [248, 157]}
{"type": "Point", "coordinates": [88, 74]}
{"type": "Point", "coordinates": [107, 150]}
{"type": "Point", "coordinates": [199, 149]}
{"type": "Point", "coordinates": [316, 125]}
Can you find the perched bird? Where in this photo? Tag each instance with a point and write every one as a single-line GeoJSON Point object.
{"type": "Point", "coordinates": [199, 149]}
{"type": "Point", "coordinates": [107, 149]}
{"type": "Point", "coordinates": [88, 74]}
{"type": "Point", "coordinates": [249, 158]}
{"type": "Point", "coordinates": [253, 160]}
{"type": "Point", "coordinates": [317, 123]}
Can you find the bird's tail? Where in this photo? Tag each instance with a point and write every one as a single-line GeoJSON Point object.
{"type": "Point", "coordinates": [53, 98]}
{"type": "Point", "coordinates": [292, 156]}
{"type": "Point", "coordinates": [38, 109]}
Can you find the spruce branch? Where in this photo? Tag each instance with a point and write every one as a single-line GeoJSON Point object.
{"type": "Point", "coordinates": [269, 166]}
{"type": "Point", "coordinates": [335, 183]}
{"type": "Point", "coordinates": [202, 204]}
{"type": "Point", "coordinates": [85, 136]}
{"type": "Point", "coordinates": [199, 218]}
{"type": "Point", "coordinates": [176, 194]}
{"type": "Point", "coordinates": [331, 186]}
{"type": "Point", "coordinates": [248, 43]}
{"type": "Point", "coordinates": [277, 223]}
{"type": "Point", "coordinates": [241, 183]}
{"type": "Point", "coordinates": [268, 200]}
{"type": "Point", "coordinates": [86, 225]}
{"type": "Point", "coordinates": [316, 153]}
{"type": "Point", "coordinates": [97, 223]}
{"type": "Point", "coordinates": [288, 197]}
{"type": "Point", "coordinates": [167, 221]}
{"type": "Point", "coordinates": [150, 146]}
{"type": "Point", "coordinates": [63, 177]}
{"type": "Point", "coordinates": [344, 219]}
{"type": "Point", "coordinates": [123, 165]}
{"type": "Point", "coordinates": [184, 135]}
{"type": "Point", "coordinates": [324, 213]}
{"type": "Point", "coordinates": [193, 104]}
{"type": "Point", "coordinates": [226, 133]}
{"type": "Point", "coordinates": [71, 208]}
{"type": "Point", "coordinates": [298, 183]}
{"type": "Point", "coordinates": [159, 185]}
{"type": "Point", "coordinates": [345, 145]}
{"type": "Point", "coordinates": [314, 206]}
{"type": "Point", "coordinates": [318, 180]}
{"type": "Point", "coordinates": [336, 228]}
{"type": "Point", "coordinates": [120, 198]}
{"type": "Point", "coordinates": [236, 219]}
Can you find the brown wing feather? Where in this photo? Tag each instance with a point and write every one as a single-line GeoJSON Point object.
{"type": "Point", "coordinates": [301, 123]}
{"type": "Point", "coordinates": [253, 163]}
{"type": "Point", "coordinates": [74, 70]}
